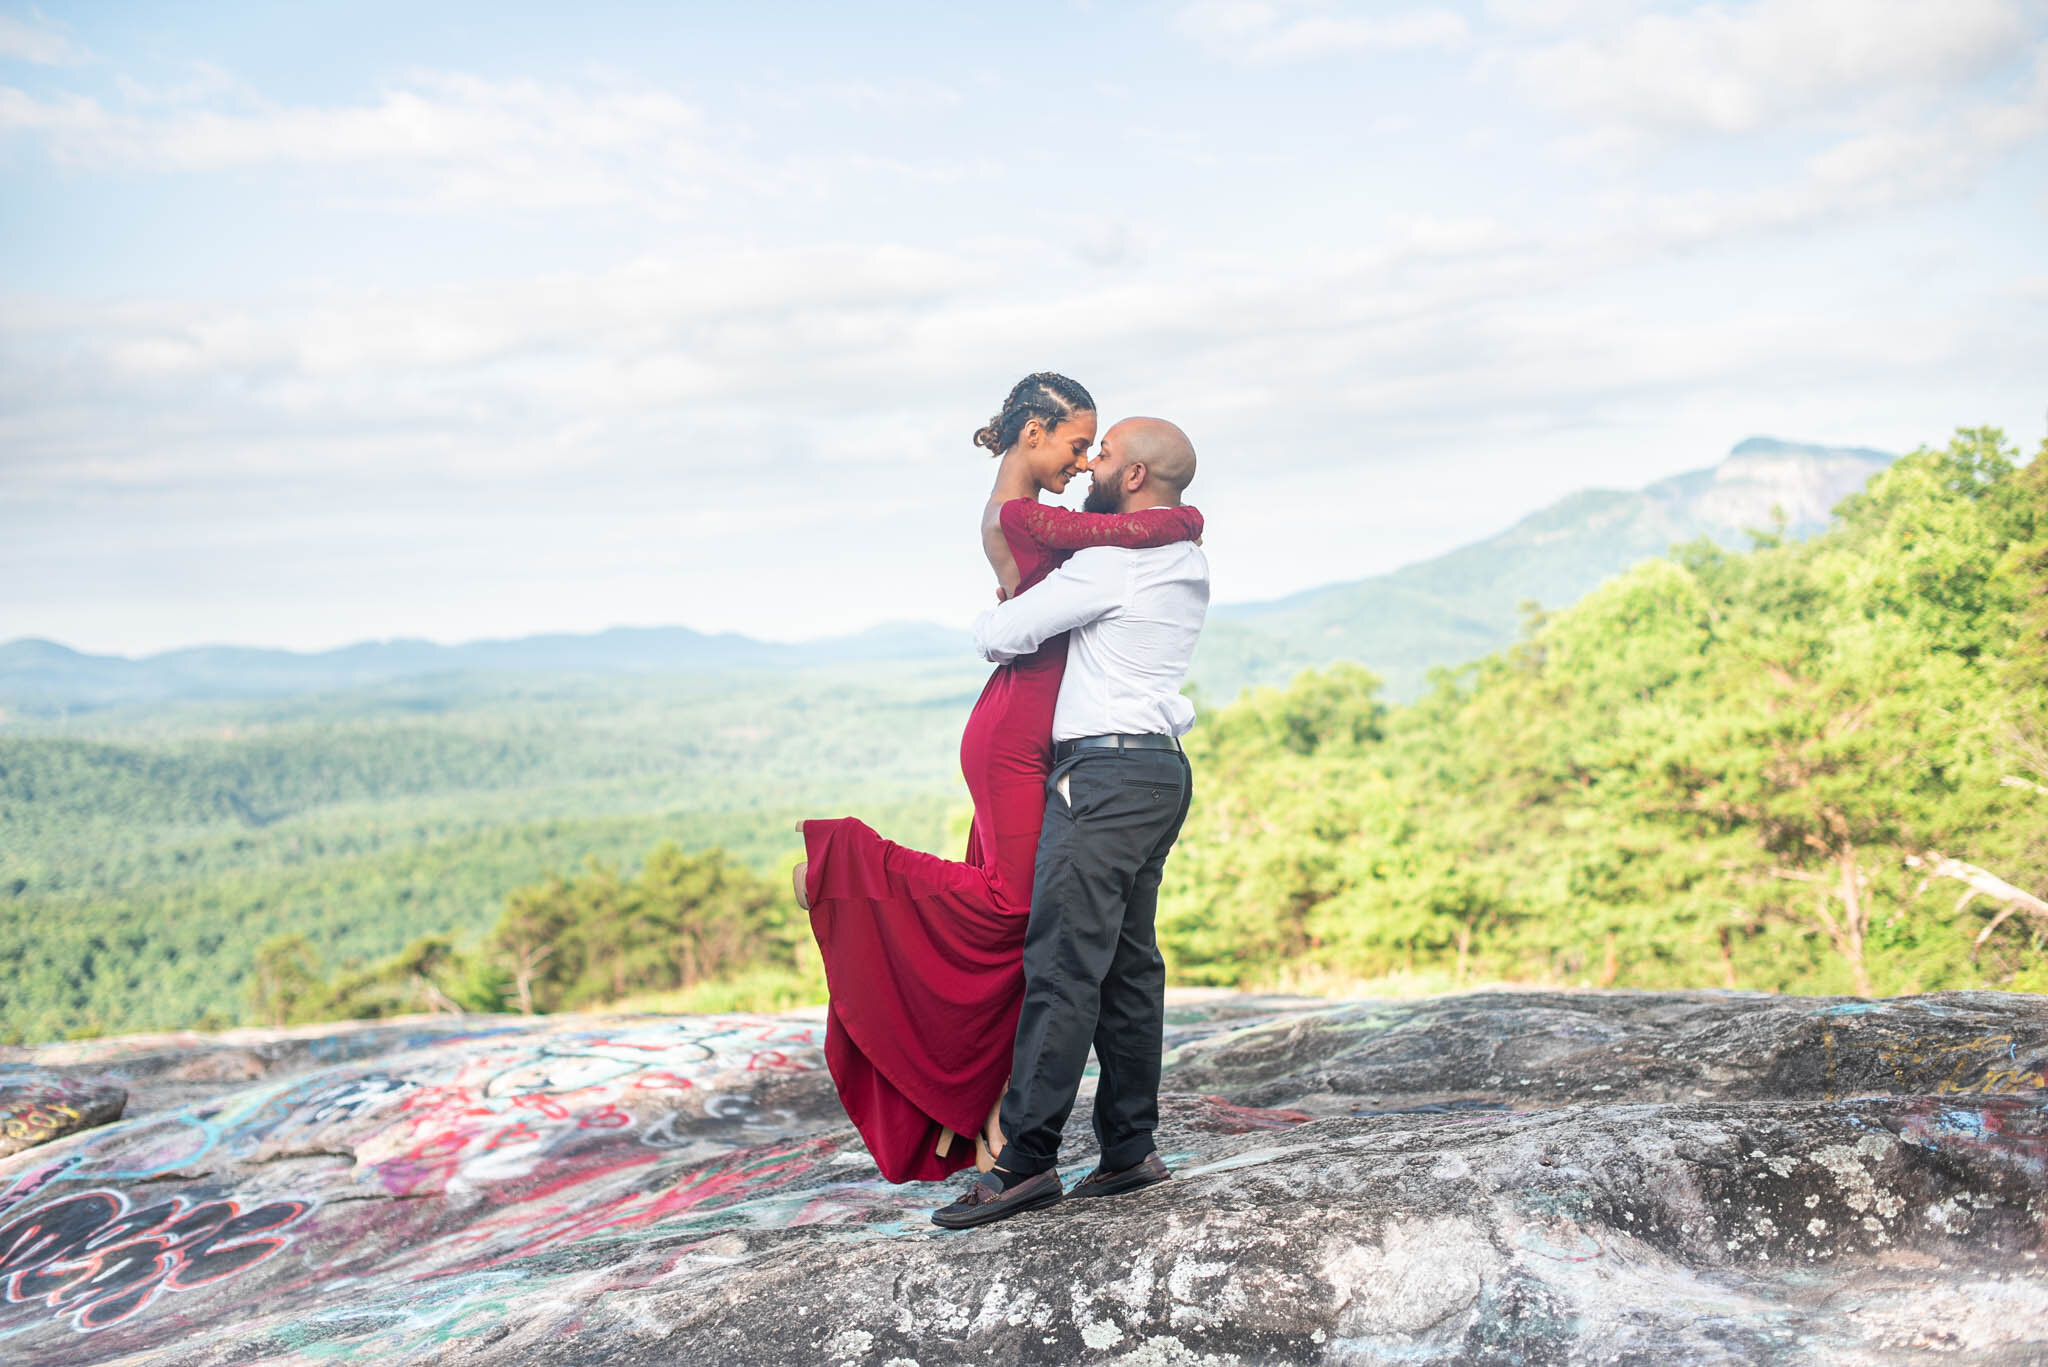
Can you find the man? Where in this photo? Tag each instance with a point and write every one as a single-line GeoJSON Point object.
{"type": "Point", "coordinates": [1115, 801]}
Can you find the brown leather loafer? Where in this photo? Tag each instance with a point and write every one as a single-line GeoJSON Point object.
{"type": "Point", "coordinates": [1147, 1171]}
{"type": "Point", "coordinates": [985, 1200]}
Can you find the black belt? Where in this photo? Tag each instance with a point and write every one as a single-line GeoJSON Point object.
{"type": "Point", "coordinates": [1062, 749]}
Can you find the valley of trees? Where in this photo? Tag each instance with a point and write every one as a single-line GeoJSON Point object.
{"type": "Point", "coordinates": [1816, 767]}
{"type": "Point", "coordinates": [144, 864]}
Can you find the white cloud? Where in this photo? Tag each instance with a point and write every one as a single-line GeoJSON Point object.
{"type": "Point", "coordinates": [727, 416]}
{"type": "Point", "coordinates": [452, 140]}
{"type": "Point", "coordinates": [810, 358]}
{"type": "Point", "coordinates": [1550, 14]}
{"type": "Point", "coordinates": [810, 343]}
{"type": "Point", "coordinates": [1717, 69]}
{"type": "Point", "coordinates": [37, 42]}
{"type": "Point", "coordinates": [1446, 329]}
{"type": "Point", "coordinates": [1258, 32]}
{"type": "Point", "coordinates": [1868, 173]}
{"type": "Point", "coordinates": [905, 95]}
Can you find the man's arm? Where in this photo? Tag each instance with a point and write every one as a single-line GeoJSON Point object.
{"type": "Point", "coordinates": [1088, 586]}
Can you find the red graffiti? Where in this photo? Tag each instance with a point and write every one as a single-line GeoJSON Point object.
{"type": "Point", "coordinates": [445, 1145]}
{"type": "Point", "coordinates": [1218, 1116]}
{"type": "Point", "coordinates": [521, 1133]}
{"type": "Point", "coordinates": [663, 1082]}
{"type": "Point", "coordinates": [455, 1099]}
{"type": "Point", "coordinates": [744, 1174]}
{"type": "Point", "coordinates": [628, 1044]}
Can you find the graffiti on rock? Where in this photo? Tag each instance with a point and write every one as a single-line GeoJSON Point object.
{"type": "Point", "coordinates": [626, 1180]}
{"type": "Point", "coordinates": [1987, 1063]}
{"type": "Point", "coordinates": [1214, 1115]}
{"type": "Point", "coordinates": [35, 1123]}
{"type": "Point", "coordinates": [98, 1260]}
{"type": "Point", "coordinates": [503, 1110]}
{"type": "Point", "coordinates": [37, 1106]}
{"type": "Point", "coordinates": [635, 1130]}
{"type": "Point", "coordinates": [476, 1109]}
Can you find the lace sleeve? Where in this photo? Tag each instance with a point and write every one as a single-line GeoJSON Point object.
{"type": "Point", "coordinates": [1061, 529]}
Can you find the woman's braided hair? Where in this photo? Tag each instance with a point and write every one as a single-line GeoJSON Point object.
{"type": "Point", "coordinates": [1051, 398]}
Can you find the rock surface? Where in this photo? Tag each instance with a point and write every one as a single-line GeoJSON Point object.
{"type": "Point", "coordinates": [37, 1106]}
{"type": "Point", "coordinates": [1494, 1178]}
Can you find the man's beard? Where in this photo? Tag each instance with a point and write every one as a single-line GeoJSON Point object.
{"type": "Point", "coordinates": [1104, 496]}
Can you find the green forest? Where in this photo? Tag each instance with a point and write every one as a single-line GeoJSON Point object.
{"type": "Point", "coordinates": [143, 865]}
{"type": "Point", "coordinates": [1780, 770]}
{"type": "Point", "coordinates": [1814, 767]}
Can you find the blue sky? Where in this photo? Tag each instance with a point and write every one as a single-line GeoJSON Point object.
{"type": "Point", "coordinates": [344, 322]}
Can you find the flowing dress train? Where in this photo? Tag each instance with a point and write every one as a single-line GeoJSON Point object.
{"type": "Point", "coordinates": [923, 955]}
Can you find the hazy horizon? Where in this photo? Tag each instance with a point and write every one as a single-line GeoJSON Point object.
{"type": "Point", "coordinates": [328, 325]}
{"type": "Point", "coordinates": [767, 637]}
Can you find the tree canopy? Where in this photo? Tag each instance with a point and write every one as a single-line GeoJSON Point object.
{"type": "Point", "coordinates": [1712, 770]}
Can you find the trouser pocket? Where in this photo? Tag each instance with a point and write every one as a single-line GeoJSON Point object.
{"type": "Point", "coordinates": [1162, 790]}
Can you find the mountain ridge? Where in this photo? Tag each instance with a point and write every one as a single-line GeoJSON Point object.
{"type": "Point", "coordinates": [35, 670]}
{"type": "Point", "coordinates": [1468, 602]}
{"type": "Point", "coordinates": [1440, 611]}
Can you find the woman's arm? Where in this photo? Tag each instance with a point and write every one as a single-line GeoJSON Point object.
{"type": "Point", "coordinates": [1062, 529]}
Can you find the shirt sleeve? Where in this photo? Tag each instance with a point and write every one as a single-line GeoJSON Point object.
{"type": "Point", "coordinates": [1089, 586]}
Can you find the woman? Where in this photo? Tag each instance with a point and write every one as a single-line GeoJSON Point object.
{"type": "Point", "coordinates": [923, 955]}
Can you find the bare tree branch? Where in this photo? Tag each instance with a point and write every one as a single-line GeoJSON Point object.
{"type": "Point", "coordinates": [1979, 881]}
{"type": "Point", "coordinates": [1993, 924]}
{"type": "Point", "coordinates": [1938, 865]}
{"type": "Point", "coordinates": [436, 999]}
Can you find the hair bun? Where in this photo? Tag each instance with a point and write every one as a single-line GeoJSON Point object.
{"type": "Point", "coordinates": [1046, 395]}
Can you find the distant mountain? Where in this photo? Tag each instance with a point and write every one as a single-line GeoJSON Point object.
{"type": "Point", "coordinates": [1444, 611]}
{"type": "Point", "coordinates": [42, 676]}
{"type": "Point", "coordinates": [1465, 604]}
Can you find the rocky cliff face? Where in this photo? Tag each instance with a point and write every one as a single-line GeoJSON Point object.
{"type": "Point", "coordinates": [1763, 475]}
{"type": "Point", "coordinates": [1511, 1178]}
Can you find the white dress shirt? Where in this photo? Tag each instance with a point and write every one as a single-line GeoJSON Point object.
{"type": "Point", "coordinates": [1135, 617]}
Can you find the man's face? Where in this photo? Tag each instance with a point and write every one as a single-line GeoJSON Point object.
{"type": "Point", "coordinates": [1106, 477]}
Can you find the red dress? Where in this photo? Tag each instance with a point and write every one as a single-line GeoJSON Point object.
{"type": "Point", "coordinates": [924, 955]}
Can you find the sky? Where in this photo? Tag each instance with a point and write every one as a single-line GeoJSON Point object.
{"type": "Point", "coordinates": [341, 322]}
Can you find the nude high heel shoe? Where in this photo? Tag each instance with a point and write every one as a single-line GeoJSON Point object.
{"type": "Point", "coordinates": [988, 1145]}
{"type": "Point", "coordinates": [988, 1141]}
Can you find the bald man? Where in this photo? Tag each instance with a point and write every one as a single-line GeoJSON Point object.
{"type": "Point", "coordinates": [1115, 801]}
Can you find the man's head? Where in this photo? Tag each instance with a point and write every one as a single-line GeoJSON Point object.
{"type": "Point", "coordinates": [1145, 463]}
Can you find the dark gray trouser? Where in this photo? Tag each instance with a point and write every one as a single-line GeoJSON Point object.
{"type": "Point", "coordinates": [1092, 971]}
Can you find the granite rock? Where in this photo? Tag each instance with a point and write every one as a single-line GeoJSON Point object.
{"type": "Point", "coordinates": [1490, 1178]}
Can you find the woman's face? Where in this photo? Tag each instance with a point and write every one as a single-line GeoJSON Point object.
{"type": "Point", "coordinates": [1058, 454]}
